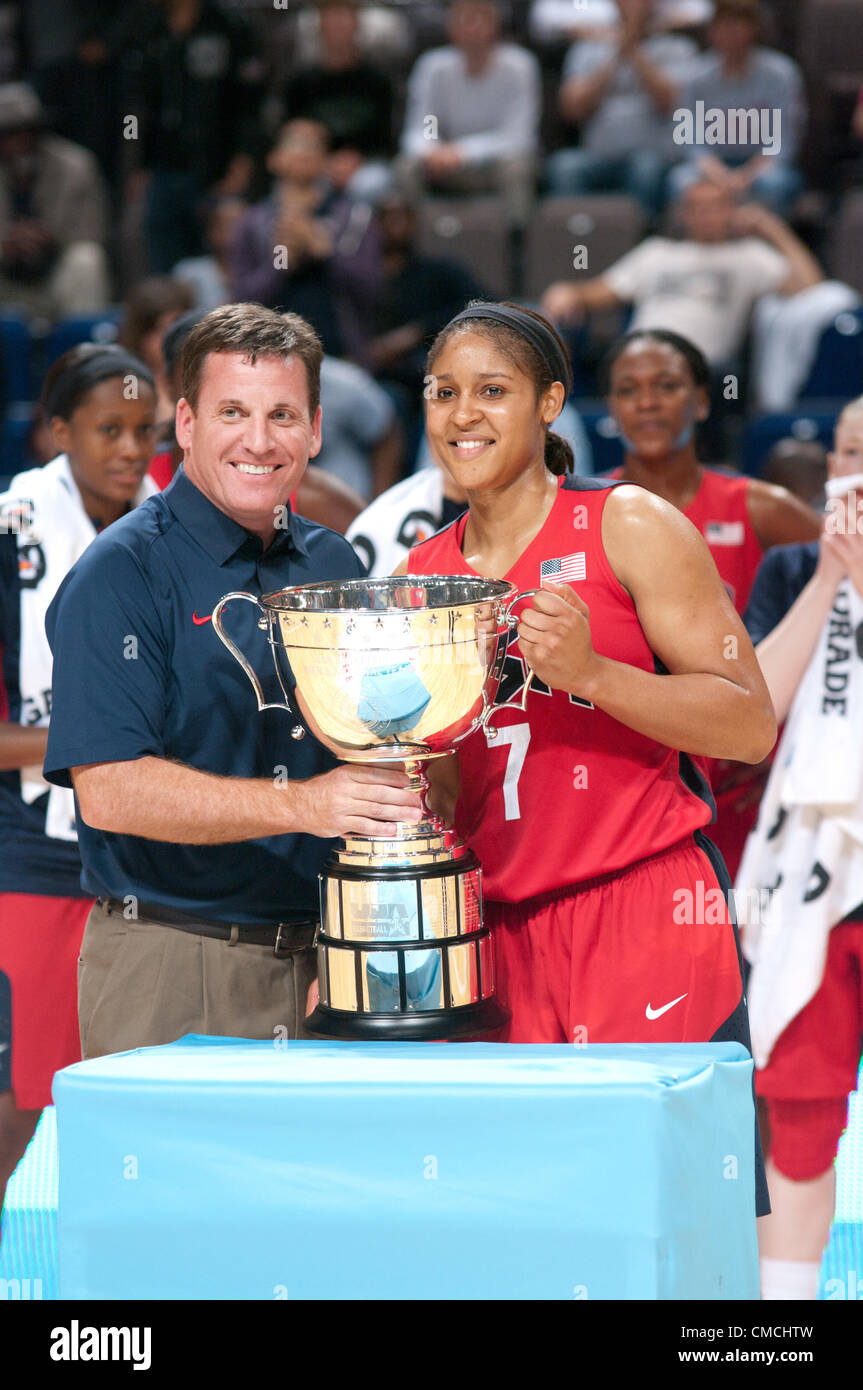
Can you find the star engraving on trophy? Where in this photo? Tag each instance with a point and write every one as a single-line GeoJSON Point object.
{"type": "Point", "coordinates": [327, 623]}
{"type": "Point", "coordinates": [433, 619]}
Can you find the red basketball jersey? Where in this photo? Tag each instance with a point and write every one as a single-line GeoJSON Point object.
{"type": "Point", "coordinates": [565, 792]}
{"type": "Point", "coordinates": [720, 512]}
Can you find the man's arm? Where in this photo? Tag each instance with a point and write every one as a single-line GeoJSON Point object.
{"type": "Point", "coordinates": [714, 701]}
{"type": "Point", "coordinates": [581, 95]}
{"type": "Point", "coordinates": [568, 302]}
{"type": "Point", "coordinates": [752, 219]}
{"type": "Point", "coordinates": [156, 799]}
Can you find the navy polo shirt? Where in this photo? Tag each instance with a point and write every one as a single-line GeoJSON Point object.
{"type": "Point", "coordinates": [139, 670]}
{"type": "Point", "coordinates": [781, 577]}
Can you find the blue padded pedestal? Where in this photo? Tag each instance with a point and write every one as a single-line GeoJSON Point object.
{"type": "Point", "coordinates": [220, 1168]}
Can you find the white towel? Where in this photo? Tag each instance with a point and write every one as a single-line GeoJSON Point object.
{"type": "Point", "coordinates": [805, 857]}
{"type": "Point", "coordinates": [43, 506]}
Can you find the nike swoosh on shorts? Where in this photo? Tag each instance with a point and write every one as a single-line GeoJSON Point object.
{"type": "Point", "coordinates": [657, 1013]}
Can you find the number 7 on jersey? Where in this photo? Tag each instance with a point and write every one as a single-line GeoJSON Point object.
{"type": "Point", "coordinates": [518, 737]}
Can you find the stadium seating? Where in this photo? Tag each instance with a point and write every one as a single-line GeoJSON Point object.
{"type": "Point", "coordinates": [96, 328]}
{"type": "Point", "coordinates": [814, 420]}
{"type": "Point", "coordinates": [473, 232]}
{"type": "Point", "coordinates": [838, 367]}
{"type": "Point", "coordinates": [16, 353]}
{"type": "Point", "coordinates": [607, 225]}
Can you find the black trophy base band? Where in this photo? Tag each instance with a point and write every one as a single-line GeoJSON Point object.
{"type": "Point", "coordinates": [430, 1025]}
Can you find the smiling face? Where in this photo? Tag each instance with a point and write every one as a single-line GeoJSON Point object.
{"type": "Point", "coordinates": [109, 442]}
{"type": "Point", "coordinates": [654, 399]}
{"type": "Point", "coordinates": [483, 419]}
{"type": "Point", "coordinates": [250, 437]}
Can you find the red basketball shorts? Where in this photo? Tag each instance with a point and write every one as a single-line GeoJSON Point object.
{"type": "Point", "coordinates": [646, 955]}
{"type": "Point", "coordinates": [40, 940]}
{"type": "Point", "coordinates": [815, 1063]}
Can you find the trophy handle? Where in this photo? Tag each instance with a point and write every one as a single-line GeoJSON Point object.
{"type": "Point", "coordinates": [232, 647]}
{"type": "Point", "coordinates": [512, 702]}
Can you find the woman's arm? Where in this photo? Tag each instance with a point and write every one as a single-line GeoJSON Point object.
{"type": "Point", "coordinates": [778, 517]}
{"type": "Point", "coordinates": [713, 702]}
{"type": "Point", "coordinates": [444, 776]}
{"type": "Point", "coordinates": [786, 651]}
{"type": "Point", "coordinates": [21, 746]}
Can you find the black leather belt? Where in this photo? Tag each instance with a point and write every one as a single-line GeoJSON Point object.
{"type": "Point", "coordinates": [286, 938]}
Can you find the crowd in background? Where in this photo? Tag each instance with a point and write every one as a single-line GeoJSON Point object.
{"type": "Point", "coordinates": [375, 166]}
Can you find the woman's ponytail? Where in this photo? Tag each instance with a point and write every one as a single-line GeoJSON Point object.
{"type": "Point", "coordinates": [559, 457]}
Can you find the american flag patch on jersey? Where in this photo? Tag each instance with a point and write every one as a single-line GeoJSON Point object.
{"type": "Point", "coordinates": [570, 567]}
{"type": "Point", "coordinates": [724, 533]}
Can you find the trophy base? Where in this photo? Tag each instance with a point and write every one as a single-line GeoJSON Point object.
{"type": "Point", "coordinates": [438, 1025]}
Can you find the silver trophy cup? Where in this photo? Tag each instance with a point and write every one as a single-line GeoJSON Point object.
{"type": "Point", "coordinates": [395, 670]}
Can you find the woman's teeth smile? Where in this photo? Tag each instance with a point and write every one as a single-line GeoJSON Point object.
{"type": "Point", "coordinates": [469, 448]}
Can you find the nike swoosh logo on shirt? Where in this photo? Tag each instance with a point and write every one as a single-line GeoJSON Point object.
{"type": "Point", "coordinates": [199, 622]}
{"type": "Point", "coordinates": [657, 1013]}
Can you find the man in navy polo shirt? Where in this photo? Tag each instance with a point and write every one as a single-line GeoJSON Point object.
{"type": "Point", "coordinates": [202, 824]}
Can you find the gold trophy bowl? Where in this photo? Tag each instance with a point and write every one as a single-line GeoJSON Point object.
{"type": "Point", "coordinates": [395, 670]}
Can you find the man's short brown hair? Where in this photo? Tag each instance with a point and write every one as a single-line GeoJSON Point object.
{"type": "Point", "coordinates": [255, 332]}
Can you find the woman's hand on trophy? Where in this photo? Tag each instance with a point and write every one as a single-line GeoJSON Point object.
{"type": "Point", "coordinates": [313, 998]}
{"type": "Point", "coordinates": [554, 638]}
{"type": "Point", "coordinates": [357, 799]}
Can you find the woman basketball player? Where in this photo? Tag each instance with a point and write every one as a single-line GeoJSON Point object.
{"type": "Point", "coordinates": [606, 899]}
{"type": "Point", "coordinates": [657, 388]}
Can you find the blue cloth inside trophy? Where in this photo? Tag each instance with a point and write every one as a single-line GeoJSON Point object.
{"type": "Point", "coordinates": [392, 699]}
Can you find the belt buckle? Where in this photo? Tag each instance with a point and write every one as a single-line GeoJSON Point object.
{"type": "Point", "coordinates": [279, 951]}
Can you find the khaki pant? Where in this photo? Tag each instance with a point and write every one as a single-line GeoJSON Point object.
{"type": "Point", "coordinates": [141, 984]}
{"type": "Point", "coordinates": [512, 179]}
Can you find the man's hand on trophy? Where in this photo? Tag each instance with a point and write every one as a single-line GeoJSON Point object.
{"type": "Point", "coordinates": [357, 800]}
{"type": "Point", "coordinates": [554, 637]}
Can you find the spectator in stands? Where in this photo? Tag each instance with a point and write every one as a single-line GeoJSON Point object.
{"type": "Point", "coordinates": [194, 85]}
{"type": "Point", "coordinates": [553, 21]}
{"type": "Point", "coordinates": [306, 248]}
{"type": "Point", "coordinates": [805, 862]}
{"type": "Point", "coordinates": [150, 308]}
{"type": "Point", "coordinates": [800, 465]}
{"type": "Point", "coordinates": [417, 296]}
{"type": "Point", "coordinates": [753, 158]}
{"type": "Point", "coordinates": [612, 87]}
{"type": "Point", "coordinates": [472, 118]}
{"type": "Point", "coordinates": [208, 275]}
{"type": "Point", "coordinates": [706, 286]}
{"type": "Point", "coordinates": [52, 215]}
{"type": "Point", "coordinates": [352, 98]}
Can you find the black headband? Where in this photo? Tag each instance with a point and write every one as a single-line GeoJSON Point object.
{"type": "Point", "coordinates": [66, 393]}
{"type": "Point", "coordinates": [535, 331]}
